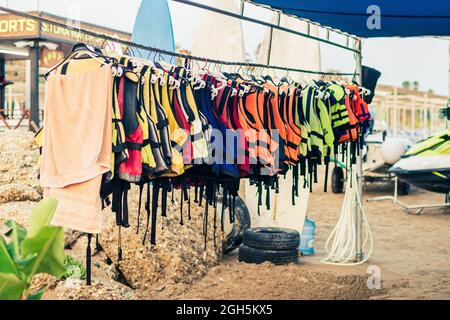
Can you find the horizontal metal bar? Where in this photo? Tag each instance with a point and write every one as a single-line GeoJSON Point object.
{"type": "Point", "coordinates": [346, 34]}
{"type": "Point", "coordinates": [267, 24]}
{"type": "Point", "coordinates": [170, 53]}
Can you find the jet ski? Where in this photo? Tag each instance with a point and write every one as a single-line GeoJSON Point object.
{"type": "Point", "coordinates": [427, 164]}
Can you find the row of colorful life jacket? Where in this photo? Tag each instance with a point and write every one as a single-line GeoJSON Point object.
{"type": "Point", "coordinates": [163, 122]}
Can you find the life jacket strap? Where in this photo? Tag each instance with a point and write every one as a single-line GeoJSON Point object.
{"type": "Point", "coordinates": [88, 259]}
{"type": "Point", "coordinates": [147, 209]}
{"type": "Point", "coordinates": [181, 206]}
{"type": "Point", "coordinates": [224, 201]}
{"type": "Point", "coordinates": [119, 244]}
{"type": "Point", "coordinates": [126, 187]}
{"type": "Point", "coordinates": [141, 188]}
{"type": "Point", "coordinates": [327, 164]}
{"type": "Point", "coordinates": [155, 196]}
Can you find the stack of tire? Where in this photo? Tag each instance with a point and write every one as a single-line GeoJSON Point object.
{"type": "Point", "coordinates": [276, 245]}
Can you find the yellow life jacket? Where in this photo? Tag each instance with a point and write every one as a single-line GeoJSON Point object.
{"type": "Point", "coordinates": [176, 135]}
{"type": "Point", "coordinates": [186, 98]}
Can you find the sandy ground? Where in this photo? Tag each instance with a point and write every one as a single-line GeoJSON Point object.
{"type": "Point", "coordinates": [411, 251]}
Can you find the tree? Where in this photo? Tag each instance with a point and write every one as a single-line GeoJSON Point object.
{"type": "Point", "coordinates": [406, 84]}
{"type": "Point", "coordinates": [416, 85]}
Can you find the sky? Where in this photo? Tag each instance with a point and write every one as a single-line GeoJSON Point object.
{"type": "Point", "coordinates": [414, 59]}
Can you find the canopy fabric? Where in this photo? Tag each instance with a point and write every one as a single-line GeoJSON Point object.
{"type": "Point", "coordinates": [402, 18]}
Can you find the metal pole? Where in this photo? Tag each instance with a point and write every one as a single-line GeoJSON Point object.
{"type": "Point", "coordinates": [263, 23]}
{"type": "Point", "coordinates": [34, 85]}
{"type": "Point", "coordinates": [359, 173]}
{"type": "Point", "coordinates": [271, 38]}
{"type": "Point", "coordinates": [395, 112]}
{"type": "Point", "coordinates": [2, 89]}
{"type": "Point", "coordinates": [185, 56]}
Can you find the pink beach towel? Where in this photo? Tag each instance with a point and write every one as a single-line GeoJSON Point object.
{"type": "Point", "coordinates": [77, 145]}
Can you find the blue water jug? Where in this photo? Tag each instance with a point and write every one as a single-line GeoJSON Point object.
{"type": "Point", "coordinates": [307, 238]}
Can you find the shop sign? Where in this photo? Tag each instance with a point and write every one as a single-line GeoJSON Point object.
{"type": "Point", "coordinates": [50, 58]}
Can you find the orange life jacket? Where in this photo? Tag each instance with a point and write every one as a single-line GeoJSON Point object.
{"type": "Point", "coordinates": [351, 133]}
{"type": "Point", "coordinates": [293, 132]}
{"type": "Point", "coordinates": [360, 107]}
{"type": "Point", "coordinates": [275, 122]}
{"type": "Point", "coordinates": [258, 138]}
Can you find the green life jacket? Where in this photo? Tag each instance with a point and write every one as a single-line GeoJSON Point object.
{"type": "Point", "coordinates": [312, 123]}
{"type": "Point", "coordinates": [339, 114]}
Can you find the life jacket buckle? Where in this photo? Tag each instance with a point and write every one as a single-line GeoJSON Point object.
{"type": "Point", "coordinates": [177, 84]}
{"type": "Point", "coordinates": [171, 80]}
{"type": "Point", "coordinates": [153, 78]}
{"type": "Point", "coordinates": [214, 93]}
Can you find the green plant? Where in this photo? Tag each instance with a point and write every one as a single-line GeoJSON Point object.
{"type": "Point", "coordinates": [25, 253]}
{"type": "Point", "coordinates": [74, 268]}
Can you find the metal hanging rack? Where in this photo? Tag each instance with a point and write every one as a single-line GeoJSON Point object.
{"type": "Point", "coordinates": [171, 53]}
{"type": "Point", "coordinates": [356, 50]}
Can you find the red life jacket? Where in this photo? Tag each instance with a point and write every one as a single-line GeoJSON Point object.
{"type": "Point", "coordinates": [130, 169]}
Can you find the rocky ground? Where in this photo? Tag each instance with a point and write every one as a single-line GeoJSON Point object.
{"type": "Point", "coordinates": [411, 251]}
{"type": "Point", "coordinates": [178, 257]}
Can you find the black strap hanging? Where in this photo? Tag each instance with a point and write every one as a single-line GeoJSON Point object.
{"type": "Point", "coordinates": [315, 173]}
{"type": "Point", "coordinates": [126, 187]}
{"type": "Point", "coordinates": [155, 195]}
{"type": "Point", "coordinates": [189, 206]}
{"type": "Point", "coordinates": [119, 244]}
{"type": "Point", "coordinates": [98, 247]}
{"type": "Point", "coordinates": [302, 166]}
{"type": "Point", "coordinates": [224, 204]}
{"type": "Point", "coordinates": [215, 215]}
{"type": "Point", "coordinates": [205, 223]}
{"type": "Point", "coordinates": [141, 188]}
{"type": "Point", "coordinates": [196, 194]}
{"type": "Point", "coordinates": [259, 196]}
{"type": "Point", "coordinates": [164, 191]}
{"type": "Point", "coordinates": [200, 201]}
{"type": "Point", "coordinates": [147, 209]}
{"type": "Point", "coordinates": [181, 206]}
{"type": "Point", "coordinates": [294, 183]}
{"type": "Point", "coordinates": [88, 259]}
{"type": "Point", "coordinates": [173, 191]}
{"type": "Point", "coordinates": [230, 208]}
{"type": "Point", "coordinates": [325, 183]}
{"type": "Point", "coordinates": [117, 204]}
{"type": "Point", "coordinates": [310, 173]}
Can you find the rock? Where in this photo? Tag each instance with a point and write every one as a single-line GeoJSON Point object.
{"type": "Point", "coordinates": [71, 237]}
{"type": "Point", "coordinates": [160, 288]}
{"type": "Point", "coordinates": [18, 192]}
{"type": "Point", "coordinates": [18, 158]}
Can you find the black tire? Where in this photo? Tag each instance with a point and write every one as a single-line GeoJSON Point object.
{"type": "Point", "coordinates": [337, 180]}
{"type": "Point", "coordinates": [252, 255]}
{"type": "Point", "coordinates": [242, 222]}
{"type": "Point", "coordinates": [403, 188]}
{"type": "Point", "coordinates": [272, 238]}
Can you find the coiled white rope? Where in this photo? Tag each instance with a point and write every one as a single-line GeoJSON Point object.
{"type": "Point", "coordinates": [341, 245]}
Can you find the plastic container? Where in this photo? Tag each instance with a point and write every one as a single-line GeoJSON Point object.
{"type": "Point", "coordinates": [307, 238]}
